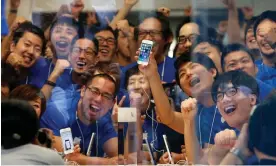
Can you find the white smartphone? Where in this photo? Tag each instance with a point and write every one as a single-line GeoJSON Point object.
{"type": "Point", "coordinates": [67, 140]}
{"type": "Point", "coordinates": [168, 148]}
{"type": "Point", "coordinates": [145, 50]}
{"type": "Point", "coordinates": [127, 114]}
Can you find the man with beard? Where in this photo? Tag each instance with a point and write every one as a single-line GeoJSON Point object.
{"type": "Point", "coordinates": [266, 66]}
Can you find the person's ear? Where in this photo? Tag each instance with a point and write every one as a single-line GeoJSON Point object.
{"type": "Point", "coordinates": [213, 72]}
{"type": "Point", "coordinates": [12, 47]}
{"type": "Point", "coordinates": [253, 99]}
{"type": "Point", "coordinates": [83, 91]}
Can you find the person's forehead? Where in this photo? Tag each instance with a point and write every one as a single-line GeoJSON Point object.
{"type": "Point", "coordinates": [84, 43]}
{"type": "Point", "coordinates": [225, 86]}
{"type": "Point", "coordinates": [266, 23]}
{"type": "Point", "coordinates": [150, 24]}
{"type": "Point", "coordinates": [65, 25]}
{"type": "Point", "coordinates": [188, 29]}
{"type": "Point", "coordinates": [203, 46]}
{"type": "Point", "coordinates": [103, 84]}
{"type": "Point", "coordinates": [105, 33]}
{"type": "Point", "coordinates": [136, 76]}
{"type": "Point", "coordinates": [28, 36]}
{"type": "Point", "coordinates": [237, 55]}
{"type": "Point", "coordinates": [185, 66]}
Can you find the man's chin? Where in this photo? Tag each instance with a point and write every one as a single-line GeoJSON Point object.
{"type": "Point", "coordinates": [271, 55]}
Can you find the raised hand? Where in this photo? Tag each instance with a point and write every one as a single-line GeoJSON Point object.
{"type": "Point", "coordinates": [131, 2]}
{"type": "Point", "coordinates": [14, 4]}
{"type": "Point", "coordinates": [15, 60]}
{"type": "Point", "coordinates": [247, 12]}
{"type": "Point", "coordinates": [230, 4]}
{"type": "Point", "coordinates": [226, 139]}
{"type": "Point", "coordinates": [114, 115]}
{"type": "Point", "coordinates": [189, 108]}
{"type": "Point", "coordinates": [60, 66]}
{"type": "Point", "coordinates": [19, 20]}
{"type": "Point", "coordinates": [123, 26]}
{"type": "Point", "coordinates": [165, 11]}
{"type": "Point", "coordinates": [151, 68]}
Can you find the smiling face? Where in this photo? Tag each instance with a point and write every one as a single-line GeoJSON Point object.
{"type": "Point", "coordinates": [236, 104]}
{"type": "Point", "coordinates": [97, 99]}
{"type": "Point", "coordinates": [262, 30]}
{"type": "Point", "coordinates": [250, 40]}
{"type": "Point", "coordinates": [107, 45]}
{"type": "Point", "coordinates": [29, 47]}
{"type": "Point", "coordinates": [195, 79]}
{"type": "Point", "coordinates": [211, 51]}
{"type": "Point", "coordinates": [61, 38]}
{"type": "Point", "coordinates": [83, 55]}
{"type": "Point", "coordinates": [240, 60]}
{"type": "Point", "coordinates": [137, 83]}
{"type": "Point", "coordinates": [190, 31]}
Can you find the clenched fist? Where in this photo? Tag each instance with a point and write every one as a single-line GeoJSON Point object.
{"type": "Point", "coordinates": [189, 108]}
{"type": "Point", "coordinates": [226, 138]}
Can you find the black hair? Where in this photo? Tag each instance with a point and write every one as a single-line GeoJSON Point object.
{"type": "Point", "coordinates": [9, 75]}
{"type": "Point", "coordinates": [19, 123]}
{"type": "Point", "coordinates": [212, 41]}
{"type": "Point", "coordinates": [199, 58]}
{"type": "Point", "coordinates": [68, 21]}
{"type": "Point", "coordinates": [130, 72]}
{"type": "Point", "coordinates": [88, 35]}
{"type": "Point", "coordinates": [105, 28]}
{"type": "Point", "coordinates": [270, 15]}
{"type": "Point", "coordinates": [164, 21]}
{"type": "Point", "coordinates": [233, 48]}
{"type": "Point", "coordinates": [249, 25]}
{"type": "Point", "coordinates": [237, 78]}
{"type": "Point", "coordinates": [185, 20]}
{"type": "Point", "coordinates": [29, 27]}
{"type": "Point", "coordinates": [106, 76]}
{"type": "Point", "coordinates": [261, 129]}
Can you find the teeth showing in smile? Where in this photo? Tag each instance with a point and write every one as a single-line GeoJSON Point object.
{"type": "Point", "coordinates": [104, 51]}
{"type": "Point", "coordinates": [94, 108]}
{"type": "Point", "coordinates": [194, 81]}
{"type": "Point", "coordinates": [229, 109]}
{"type": "Point", "coordinates": [62, 44]}
{"type": "Point", "coordinates": [27, 59]}
{"type": "Point", "coordinates": [81, 64]}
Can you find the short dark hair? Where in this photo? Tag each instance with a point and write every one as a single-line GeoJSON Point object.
{"type": "Point", "coordinates": [105, 28]}
{"type": "Point", "coordinates": [9, 75]}
{"type": "Point", "coordinates": [68, 21]}
{"type": "Point", "coordinates": [233, 48]}
{"type": "Point", "coordinates": [261, 129]}
{"type": "Point", "coordinates": [106, 76]}
{"type": "Point", "coordinates": [130, 72]}
{"type": "Point", "coordinates": [19, 123]}
{"type": "Point", "coordinates": [270, 15]}
{"type": "Point", "coordinates": [88, 35]}
{"type": "Point", "coordinates": [212, 41]}
{"type": "Point", "coordinates": [237, 78]}
{"type": "Point", "coordinates": [164, 21]}
{"type": "Point", "coordinates": [29, 93]}
{"type": "Point", "coordinates": [29, 27]}
{"type": "Point", "coordinates": [199, 58]}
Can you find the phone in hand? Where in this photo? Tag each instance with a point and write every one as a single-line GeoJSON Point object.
{"type": "Point", "coordinates": [67, 140]}
{"type": "Point", "coordinates": [145, 50]}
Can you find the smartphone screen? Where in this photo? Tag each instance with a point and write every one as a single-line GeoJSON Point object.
{"type": "Point", "coordinates": [145, 50]}
{"type": "Point", "coordinates": [67, 140]}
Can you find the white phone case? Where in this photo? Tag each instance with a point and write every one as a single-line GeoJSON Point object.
{"type": "Point", "coordinates": [67, 140]}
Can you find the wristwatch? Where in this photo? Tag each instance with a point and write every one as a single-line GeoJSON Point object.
{"type": "Point", "coordinates": [237, 152]}
{"type": "Point", "coordinates": [50, 83]}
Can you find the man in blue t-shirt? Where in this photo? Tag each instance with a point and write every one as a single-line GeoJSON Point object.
{"type": "Point", "coordinates": [88, 114]}
{"type": "Point", "coordinates": [236, 94]}
{"type": "Point", "coordinates": [238, 57]}
{"type": "Point", "coordinates": [266, 66]}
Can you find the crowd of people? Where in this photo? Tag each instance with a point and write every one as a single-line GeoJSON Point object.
{"type": "Point", "coordinates": [214, 100]}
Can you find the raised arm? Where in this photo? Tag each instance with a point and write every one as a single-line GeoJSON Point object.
{"type": "Point", "coordinates": [123, 12]}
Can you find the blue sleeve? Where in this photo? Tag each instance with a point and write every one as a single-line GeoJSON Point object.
{"type": "Point", "coordinates": [106, 130]}
{"type": "Point", "coordinates": [264, 90]}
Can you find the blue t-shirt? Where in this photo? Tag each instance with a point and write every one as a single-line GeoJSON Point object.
{"type": "Point", "coordinates": [266, 74]}
{"type": "Point", "coordinates": [264, 90]}
{"type": "Point", "coordinates": [167, 66]}
{"type": "Point", "coordinates": [155, 135]}
{"type": "Point", "coordinates": [208, 124]}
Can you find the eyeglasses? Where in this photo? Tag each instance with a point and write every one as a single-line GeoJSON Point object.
{"type": "Point", "coordinates": [96, 92]}
{"type": "Point", "coordinates": [152, 33]}
{"type": "Point", "coordinates": [87, 51]}
{"type": "Point", "coordinates": [109, 41]}
{"type": "Point", "coordinates": [183, 39]}
{"type": "Point", "coordinates": [232, 92]}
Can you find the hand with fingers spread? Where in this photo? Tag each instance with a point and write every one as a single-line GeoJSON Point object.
{"type": "Point", "coordinates": [114, 115]}
{"type": "Point", "coordinates": [226, 139]}
{"type": "Point", "coordinates": [189, 108]}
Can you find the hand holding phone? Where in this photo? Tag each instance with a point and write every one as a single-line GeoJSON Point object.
{"type": "Point", "coordinates": [145, 50]}
{"type": "Point", "coordinates": [67, 140]}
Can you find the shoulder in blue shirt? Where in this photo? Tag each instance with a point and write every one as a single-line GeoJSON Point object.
{"type": "Point", "coordinates": [266, 74]}
{"type": "Point", "coordinates": [264, 90]}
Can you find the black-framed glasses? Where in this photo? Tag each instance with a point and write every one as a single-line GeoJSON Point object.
{"type": "Point", "coordinates": [96, 92]}
{"type": "Point", "coordinates": [109, 41]}
{"type": "Point", "coordinates": [183, 39]}
{"type": "Point", "coordinates": [152, 33]}
{"type": "Point", "coordinates": [229, 93]}
{"type": "Point", "coordinates": [87, 51]}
